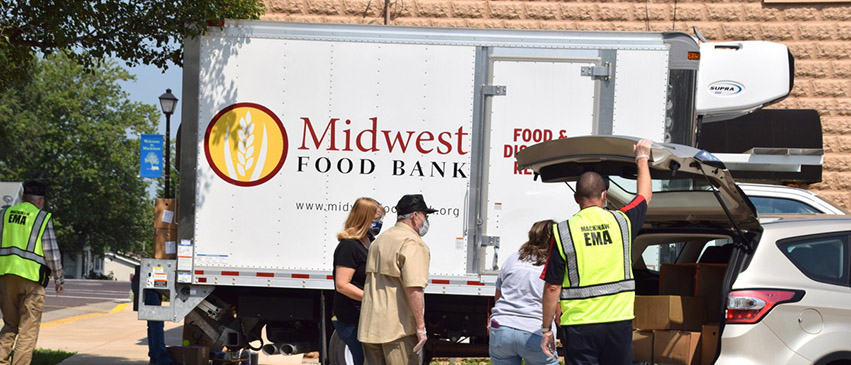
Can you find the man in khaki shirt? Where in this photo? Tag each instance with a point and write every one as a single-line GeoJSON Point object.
{"type": "Point", "coordinates": [392, 327]}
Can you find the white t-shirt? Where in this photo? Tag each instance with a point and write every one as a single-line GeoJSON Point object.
{"type": "Point", "coordinates": [522, 288]}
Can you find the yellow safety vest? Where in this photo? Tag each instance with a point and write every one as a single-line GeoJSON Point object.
{"type": "Point", "coordinates": [21, 251]}
{"type": "Point", "coordinates": [598, 286]}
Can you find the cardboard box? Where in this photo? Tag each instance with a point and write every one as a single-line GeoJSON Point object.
{"type": "Point", "coordinates": [708, 343]}
{"type": "Point", "coordinates": [676, 347]}
{"type": "Point", "coordinates": [190, 355]}
{"type": "Point", "coordinates": [642, 346]}
{"type": "Point", "coordinates": [710, 279]}
{"type": "Point", "coordinates": [662, 312]}
{"type": "Point", "coordinates": [677, 279]}
{"type": "Point", "coordinates": [700, 280]}
{"type": "Point", "coordinates": [165, 244]}
{"type": "Point", "coordinates": [165, 214]}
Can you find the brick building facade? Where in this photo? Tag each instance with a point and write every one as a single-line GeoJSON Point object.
{"type": "Point", "coordinates": [818, 34]}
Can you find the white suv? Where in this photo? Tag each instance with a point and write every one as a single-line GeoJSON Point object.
{"type": "Point", "coordinates": [778, 199]}
{"type": "Point", "coordinates": [785, 297]}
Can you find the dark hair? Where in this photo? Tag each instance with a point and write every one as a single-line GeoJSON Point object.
{"type": "Point", "coordinates": [590, 185]}
{"type": "Point", "coordinates": [535, 250]}
{"type": "Point", "coordinates": [36, 188]}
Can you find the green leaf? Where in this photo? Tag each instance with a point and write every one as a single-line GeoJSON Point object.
{"type": "Point", "coordinates": [77, 131]}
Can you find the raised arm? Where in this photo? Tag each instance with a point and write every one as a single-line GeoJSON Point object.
{"type": "Point", "coordinates": [642, 156]}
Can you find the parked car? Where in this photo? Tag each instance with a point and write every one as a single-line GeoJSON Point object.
{"type": "Point", "coordinates": [779, 199]}
{"type": "Point", "coordinates": [783, 297]}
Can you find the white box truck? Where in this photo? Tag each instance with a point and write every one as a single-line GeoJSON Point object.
{"type": "Point", "coordinates": [285, 125]}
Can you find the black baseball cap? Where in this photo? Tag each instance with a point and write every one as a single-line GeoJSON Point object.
{"type": "Point", "coordinates": [35, 188]}
{"type": "Point", "coordinates": [412, 203]}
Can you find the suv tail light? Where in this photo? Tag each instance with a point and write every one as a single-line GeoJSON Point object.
{"type": "Point", "coordinates": [750, 306]}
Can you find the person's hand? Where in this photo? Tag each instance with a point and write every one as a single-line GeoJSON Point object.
{"type": "Point", "coordinates": [548, 344]}
{"type": "Point", "coordinates": [60, 289]}
{"type": "Point", "coordinates": [421, 340]}
{"type": "Point", "coordinates": [642, 148]}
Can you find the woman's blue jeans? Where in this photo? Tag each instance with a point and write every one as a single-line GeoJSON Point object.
{"type": "Point", "coordinates": [508, 346]}
{"type": "Point", "coordinates": [349, 334]}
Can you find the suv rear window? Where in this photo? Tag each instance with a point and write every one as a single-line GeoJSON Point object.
{"type": "Point", "coordinates": [821, 258]}
{"type": "Point", "coordinates": [766, 205]}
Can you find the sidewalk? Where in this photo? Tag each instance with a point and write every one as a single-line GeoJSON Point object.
{"type": "Point", "coordinates": [110, 333]}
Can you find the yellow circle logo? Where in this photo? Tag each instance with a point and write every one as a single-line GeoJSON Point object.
{"type": "Point", "coordinates": [246, 144]}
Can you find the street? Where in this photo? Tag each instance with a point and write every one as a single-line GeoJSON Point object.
{"type": "Point", "coordinates": [81, 293]}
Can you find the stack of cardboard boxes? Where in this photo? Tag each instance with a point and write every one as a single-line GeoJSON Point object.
{"type": "Point", "coordinates": [165, 224]}
{"type": "Point", "coordinates": [680, 326]}
{"type": "Point", "coordinates": [190, 355]}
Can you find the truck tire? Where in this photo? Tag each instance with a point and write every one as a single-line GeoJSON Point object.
{"type": "Point", "coordinates": [338, 352]}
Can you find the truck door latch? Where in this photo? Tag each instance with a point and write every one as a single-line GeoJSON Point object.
{"type": "Point", "coordinates": [494, 90]}
{"type": "Point", "coordinates": [492, 241]}
{"type": "Point", "coordinates": [603, 72]}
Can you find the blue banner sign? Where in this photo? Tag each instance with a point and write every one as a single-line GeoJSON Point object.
{"type": "Point", "coordinates": [151, 156]}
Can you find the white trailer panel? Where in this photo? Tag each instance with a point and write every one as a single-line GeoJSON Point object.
{"type": "Point", "coordinates": [393, 123]}
{"type": "Point", "coordinates": [296, 121]}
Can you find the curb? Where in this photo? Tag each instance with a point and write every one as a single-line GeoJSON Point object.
{"type": "Point", "coordinates": [116, 309]}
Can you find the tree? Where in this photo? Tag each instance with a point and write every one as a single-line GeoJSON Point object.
{"type": "Point", "coordinates": [136, 31]}
{"type": "Point", "coordinates": [78, 132]}
{"type": "Point", "coordinates": [152, 159]}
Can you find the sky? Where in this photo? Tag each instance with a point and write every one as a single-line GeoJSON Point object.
{"type": "Point", "coordinates": [150, 83]}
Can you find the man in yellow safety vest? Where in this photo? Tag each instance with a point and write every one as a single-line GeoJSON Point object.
{"type": "Point", "coordinates": [28, 256]}
{"type": "Point", "coordinates": [589, 270]}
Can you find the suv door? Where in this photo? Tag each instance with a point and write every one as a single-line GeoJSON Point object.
{"type": "Point", "coordinates": [683, 178]}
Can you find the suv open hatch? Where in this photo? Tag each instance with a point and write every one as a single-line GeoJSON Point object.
{"type": "Point", "coordinates": [681, 175]}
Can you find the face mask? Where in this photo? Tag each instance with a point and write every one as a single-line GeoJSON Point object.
{"type": "Point", "coordinates": [424, 229]}
{"type": "Point", "coordinates": [375, 227]}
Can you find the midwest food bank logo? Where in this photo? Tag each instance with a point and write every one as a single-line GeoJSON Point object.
{"type": "Point", "coordinates": [246, 144]}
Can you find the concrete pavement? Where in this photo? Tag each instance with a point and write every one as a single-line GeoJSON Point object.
{"type": "Point", "coordinates": [110, 333]}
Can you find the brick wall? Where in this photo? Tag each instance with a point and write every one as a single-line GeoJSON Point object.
{"type": "Point", "coordinates": [819, 36]}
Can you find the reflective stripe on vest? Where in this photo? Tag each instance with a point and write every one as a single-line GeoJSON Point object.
{"type": "Point", "coordinates": [627, 243]}
{"type": "Point", "coordinates": [6, 251]}
{"type": "Point", "coordinates": [568, 253]}
{"type": "Point", "coordinates": [597, 290]}
{"type": "Point", "coordinates": [2, 219]}
{"type": "Point", "coordinates": [21, 250]}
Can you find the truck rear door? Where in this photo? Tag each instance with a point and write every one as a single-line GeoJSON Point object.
{"type": "Point", "coordinates": [553, 95]}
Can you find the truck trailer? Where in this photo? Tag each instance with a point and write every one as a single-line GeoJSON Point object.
{"type": "Point", "coordinates": [286, 124]}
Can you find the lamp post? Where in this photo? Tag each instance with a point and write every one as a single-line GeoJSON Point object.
{"type": "Point", "coordinates": [168, 102]}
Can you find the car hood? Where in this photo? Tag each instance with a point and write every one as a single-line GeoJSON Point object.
{"type": "Point", "coordinates": [681, 193]}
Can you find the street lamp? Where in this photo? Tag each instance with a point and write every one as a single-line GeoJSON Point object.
{"type": "Point", "coordinates": [168, 102]}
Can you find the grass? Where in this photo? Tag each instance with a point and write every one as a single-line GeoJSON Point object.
{"type": "Point", "coordinates": [49, 357]}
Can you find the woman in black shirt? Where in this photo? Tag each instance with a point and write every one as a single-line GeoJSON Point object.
{"type": "Point", "coordinates": [362, 225]}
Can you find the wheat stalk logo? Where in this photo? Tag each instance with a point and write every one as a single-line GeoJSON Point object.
{"type": "Point", "coordinates": [245, 147]}
{"type": "Point", "coordinates": [245, 150]}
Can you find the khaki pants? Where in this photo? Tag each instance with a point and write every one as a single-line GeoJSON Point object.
{"type": "Point", "coordinates": [398, 352]}
{"type": "Point", "coordinates": [21, 301]}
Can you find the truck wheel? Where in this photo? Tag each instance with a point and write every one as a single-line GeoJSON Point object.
{"type": "Point", "coordinates": [338, 352]}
